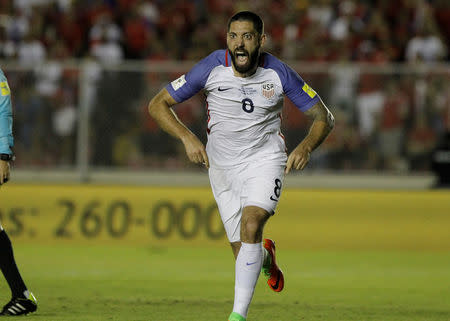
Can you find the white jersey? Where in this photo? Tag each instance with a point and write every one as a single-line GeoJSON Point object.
{"type": "Point", "coordinates": [244, 114]}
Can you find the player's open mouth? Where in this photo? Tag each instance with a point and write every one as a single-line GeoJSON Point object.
{"type": "Point", "coordinates": [241, 56]}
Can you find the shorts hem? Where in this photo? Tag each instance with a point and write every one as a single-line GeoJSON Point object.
{"type": "Point", "coordinates": [262, 205]}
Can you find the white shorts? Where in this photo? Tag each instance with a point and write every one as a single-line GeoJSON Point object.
{"type": "Point", "coordinates": [252, 184]}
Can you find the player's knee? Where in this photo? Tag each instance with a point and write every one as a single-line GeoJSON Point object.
{"type": "Point", "coordinates": [252, 224]}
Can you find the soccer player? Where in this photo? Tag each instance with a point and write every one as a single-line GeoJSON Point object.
{"type": "Point", "coordinates": [245, 152]}
{"type": "Point", "coordinates": [23, 301]}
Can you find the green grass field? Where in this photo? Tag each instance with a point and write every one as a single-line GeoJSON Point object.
{"type": "Point", "coordinates": [96, 283]}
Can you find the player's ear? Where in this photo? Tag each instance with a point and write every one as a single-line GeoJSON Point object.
{"type": "Point", "coordinates": [262, 39]}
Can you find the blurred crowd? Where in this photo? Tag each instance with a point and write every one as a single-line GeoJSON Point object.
{"type": "Point", "coordinates": [319, 30]}
{"type": "Point", "coordinates": [384, 120]}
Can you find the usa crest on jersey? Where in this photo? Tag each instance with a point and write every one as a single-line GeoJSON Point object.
{"type": "Point", "coordinates": [268, 90]}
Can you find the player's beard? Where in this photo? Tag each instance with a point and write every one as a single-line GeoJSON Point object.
{"type": "Point", "coordinates": [251, 62]}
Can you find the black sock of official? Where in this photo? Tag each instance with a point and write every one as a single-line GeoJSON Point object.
{"type": "Point", "coordinates": [9, 267]}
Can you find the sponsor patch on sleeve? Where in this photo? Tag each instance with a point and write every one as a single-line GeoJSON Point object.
{"type": "Point", "coordinates": [311, 93]}
{"type": "Point", "coordinates": [178, 83]}
{"type": "Point", "coordinates": [4, 88]}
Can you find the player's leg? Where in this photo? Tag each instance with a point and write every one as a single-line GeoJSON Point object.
{"type": "Point", "coordinates": [23, 301]}
{"type": "Point", "coordinates": [265, 192]}
{"type": "Point", "coordinates": [227, 186]}
{"type": "Point", "coordinates": [262, 184]}
{"type": "Point", "coordinates": [270, 269]}
{"type": "Point", "coordinates": [249, 259]}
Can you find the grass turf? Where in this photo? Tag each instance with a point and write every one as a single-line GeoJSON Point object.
{"type": "Point", "coordinates": [104, 282]}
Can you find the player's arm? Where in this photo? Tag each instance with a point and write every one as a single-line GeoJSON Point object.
{"type": "Point", "coordinates": [323, 123]}
{"type": "Point", "coordinates": [160, 108]}
{"type": "Point", "coordinates": [6, 138]}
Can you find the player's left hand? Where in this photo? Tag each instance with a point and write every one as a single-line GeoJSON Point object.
{"type": "Point", "coordinates": [298, 159]}
{"type": "Point", "coordinates": [4, 171]}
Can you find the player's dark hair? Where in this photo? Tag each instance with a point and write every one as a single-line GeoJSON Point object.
{"type": "Point", "coordinates": [258, 24]}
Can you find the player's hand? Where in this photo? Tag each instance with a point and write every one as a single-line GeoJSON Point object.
{"type": "Point", "coordinates": [195, 150]}
{"type": "Point", "coordinates": [4, 172]}
{"type": "Point", "coordinates": [298, 159]}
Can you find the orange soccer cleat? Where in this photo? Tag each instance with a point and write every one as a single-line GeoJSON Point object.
{"type": "Point", "coordinates": [275, 278]}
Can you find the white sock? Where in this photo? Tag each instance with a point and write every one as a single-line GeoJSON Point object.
{"type": "Point", "coordinates": [248, 268]}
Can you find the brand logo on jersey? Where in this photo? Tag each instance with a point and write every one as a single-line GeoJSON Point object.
{"type": "Point", "coordinates": [224, 88]}
{"type": "Point", "coordinates": [268, 90]}
{"type": "Point", "coordinates": [178, 83]}
{"type": "Point", "coordinates": [4, 88]}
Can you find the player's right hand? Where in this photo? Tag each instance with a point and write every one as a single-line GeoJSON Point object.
{"type": "Point", "coordinates": [195, 150]}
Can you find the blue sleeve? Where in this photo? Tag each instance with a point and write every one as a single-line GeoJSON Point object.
{"type": "Point", "coordinates": [191, 83]}
{"type": "Point", "coordinates": [6, 138]}
{"type": "Point", "coordinates": [294, 87]}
